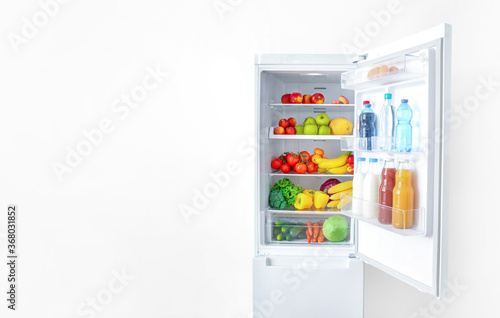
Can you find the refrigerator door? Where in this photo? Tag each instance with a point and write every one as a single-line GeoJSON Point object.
{"type": "Point", "coordinates": [419, 260]}
{"type": "Point", "coordinates": [308, 287]}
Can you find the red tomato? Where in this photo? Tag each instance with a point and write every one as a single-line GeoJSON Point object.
{"type": "Point", "coordinates": [292, 159]}
{"type": "Point", "coordinates": [304, 156]}
{"type": "Point", "coordinates": [285, 168]}
{"type": "Point", "coordinates": [300, 168]}
{"type": "Point", "coordinates": [311, 167]}
{"type": "Point", "coordinates": [350, 159]}
{"type": "Point", "coordinates": [276, 163]}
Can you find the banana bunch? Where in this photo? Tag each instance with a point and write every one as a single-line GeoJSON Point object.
{"type": "Point", "coordinates": [338, 165]}
{"type": "Point", "coordinates": [341, 195]}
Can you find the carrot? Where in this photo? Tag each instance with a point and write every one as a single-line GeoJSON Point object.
{"type": "Point", "coordinates": [321, 237]}
{"type": "Point", "coordinates": [309, 228]}
{"type": "Point", "coordinates": [315, 232]}
{"type": "Point", "coordinates": [308, 237]}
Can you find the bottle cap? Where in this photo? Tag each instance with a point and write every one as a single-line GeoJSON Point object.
{"type": "Point", "coordinates": [368, 105]}
{"type": "Point", "coordinates": [366, 102]}
{"type": "Point", "coordinates": [361, 159]}
{"type": "Point", "coordinates": [388, 96]}
{"type": "Point", "coordinates": [373, 160]}
{"type": "Point", "coordinates": [404, 101]}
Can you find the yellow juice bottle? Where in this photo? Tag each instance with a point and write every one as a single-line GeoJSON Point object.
{"type": "Point", "coordinates": [403, 198]}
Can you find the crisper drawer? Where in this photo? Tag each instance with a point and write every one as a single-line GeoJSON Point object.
{"type": "Point", "coordinates": [304, 229]}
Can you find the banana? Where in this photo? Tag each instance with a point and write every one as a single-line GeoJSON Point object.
{"type": "Point", "coordinates": [340, 187]}
{"type": "Point", "coordinates": [346, 199]}
{"type": "Point", "coordinates": [333, 163]}
{"type": "Point", "coordinates": [321, 169]}
{"type": "Point", "coordinates": [336, 196]}
{"type": "Point", "coordinates": [333, 204]}
{"type": "Point", "coordinates": [339, 170]}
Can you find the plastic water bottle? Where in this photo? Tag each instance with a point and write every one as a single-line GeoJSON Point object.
{"type": "Point", "coordinates": [386, 124]}
{"type": "Point", "coordinates": [357, 186]}
{"type": "Point", "coordinates": [402, 141]}
{"type": "Point", "coordinates": [370, 190]}
{"type": "Point", "coordinates": [367, 129]}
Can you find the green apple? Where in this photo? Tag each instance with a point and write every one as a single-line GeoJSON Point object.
{"type": "Point", "coordinates": [299, 129]}
{"type": "Point", "coordinates": [309, 121]}
{"type": "Point", "coordinates": [324, 130]}
{"type": "Point", "coordinates": [322, 120]}
{"type": "Point", "coordinates": [310, 129]}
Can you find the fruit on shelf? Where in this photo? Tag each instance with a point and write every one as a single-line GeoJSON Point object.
{"type": "Point", "coordinates": [318, 151]}
{"type": "Point", "coordinates": [343, 100]}
{"type": "Point", "coordinates": [292, 121]}
{"type": "Point", "coordinates": [283, 123]}
{"type": "Point", "coordinates": [345, 200]}
{"type": "Point", "coordinates": [279, 130]}
{"type": "Point", "coordinates": [310, 121]}
{"type": "Point", "coordinates": [340, 187]}
{"type": "Point", "coordinates": [299, 129]}
{"type": "Point", "coordinates": [339, 170]}
{"type": "Point", "coordinates": [333, 204]}
{"type": "Point", "coordinates": [276, 163]}
{"type": "Point", "coordinates": [341, 126]}
{"type": "Point", "coordinates": [333, 163]}
{"type": "Point", "coordinates": [350, 159]}
{"type": "Point", "coordinates": [290, 131]}
{"type": "Point", "coordinates": [318, 98]}
{"type": "Point", "coordinates": [296, 98]}
{"type": "Point", "coordinates": [336, 102]}
{"type": "Point", "coordinates": [322, 119]}
{"type": "Point", "coordinates": [285, 168]}
{"type": "Point", "coordinates": [300, 168]}
{"type": "Point", "coordinates": [306, 99]}
{"type": "Point", "coordinates": [310, 129]}
{"type": "Point", "coordinates": [292, 159]}
{"type": "Point", "coordinates": [350, 168]}
{"type": "Point", "coordinates": [285, 99]}
{"type": "Point", "coordinates": [338, 195]}
{"type": "Point", "coordinates": [324, 130]}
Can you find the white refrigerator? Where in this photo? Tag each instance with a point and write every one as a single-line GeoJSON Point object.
{"type": "Point", "coordinates": [297, 279]}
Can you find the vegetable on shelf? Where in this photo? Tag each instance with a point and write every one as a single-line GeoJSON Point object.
{"type": "Point", "coordinates": [303, 201]}
{"type": "Point", "coordinates": [320, 199]}
{"type": "Point", "coordinates": [328, 184]}
{"type": "Point", "coordinates": [315, 232]}
{"type": "Point", "coordinates": [288, 189]}
{"type": "Point", "coordinates": [277, 199]}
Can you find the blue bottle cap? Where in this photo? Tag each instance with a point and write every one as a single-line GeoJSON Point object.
{"type": "Point", "coordinates": [388, 96]}
{"type": "Point", "coordinates": [373, 160]}
{"type": "Point", "coordinates": [368, 105]}
{"type": "Point", "coordinates": [404, 101]}
{"type": "Point", "coordinates": [361, 159]}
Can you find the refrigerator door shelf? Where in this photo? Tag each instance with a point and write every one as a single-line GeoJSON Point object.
{"type": "Point", "coordinates": [415, 219]}
{"type": "Point", "coordinates": [378, 144]}
{"type": "Point", "coordinates": [398, 69]}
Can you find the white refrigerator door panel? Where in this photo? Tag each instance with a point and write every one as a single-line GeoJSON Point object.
{"type": "Point", "coordinates": [308, 287]}
{"type": "Point", "coordinates": [417, 260]}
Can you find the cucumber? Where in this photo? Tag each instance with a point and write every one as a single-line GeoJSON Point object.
{"type": "Point", "coordinates": [296, 231]}
{"type": "Point", "coordinates": [280, 237]}
{"type": "Point", "coordinates": [285, 229]}
{"type": "Point", "coordinates": [279, 223]}
{"type": "Point", "coordinates": [289, 237]}
{"type": "Point", "coordinates": [276, 231]}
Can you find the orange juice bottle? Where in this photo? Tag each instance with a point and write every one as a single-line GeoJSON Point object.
{"type": "Point", "coordinates": [403, 198]}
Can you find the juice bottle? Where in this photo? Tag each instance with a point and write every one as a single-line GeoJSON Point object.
{"type": "Point", "coordinates": [403, 198]}
{"type": "Point", "coordinates": [357, 186]}
{"type": "Point", "coordinates": [385, 192]}
{"type": "Point", "coordinates": [370, 190]}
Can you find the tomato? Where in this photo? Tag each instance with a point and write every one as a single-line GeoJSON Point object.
{"type": "Point", "coordinates": [285, 168]}
{"type": "Point", "coordinates": [311, 167]}
{"type": "Point", "coordinates": [319, 151]}
{"type": "Point", "coordinates": [300, 168]}
{"type": "Point", "coordinates": [350, 159]}
{"type": "Point", "coordinates": [304, 156]}
{"type": "Point", "coordinates": [292, 159]}
{"type": "Point", "coordinates": [276, 163]}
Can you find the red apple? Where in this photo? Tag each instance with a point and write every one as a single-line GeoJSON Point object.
{"type": "Point", "coordinates": [279, 131]}
{"type": "Point", "coordinates": [296, 98]}
{"type": "Point", "coordinates": [290, 131]}
{"type": "Point", "coordinates": [343, 99]}
{"type": "Point", "coordinates": [318, 98]}
{"type": "Point", "coordinates": [285, 99]}
{"type": "Point", "coordinates": [336, 102]}
{"type": "Point", "coordinates": [292, 121]}
{"type": "Point", "coordinates": [306, 99]}
{"type": "Point", "coordinates": [284, 123]}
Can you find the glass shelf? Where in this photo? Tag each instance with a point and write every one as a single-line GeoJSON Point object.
{"type": "Point", "coordinates": [314, 174]}
{"type": "Point", "coordinates": [412, 222]}
{"type": "Point", "coordinates": [379, 145]}
{"type": "Point", "coordinates": [310, 137]}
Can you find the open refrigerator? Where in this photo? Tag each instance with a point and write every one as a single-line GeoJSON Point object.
{"type": "Point", "coordinates": [297, 279]}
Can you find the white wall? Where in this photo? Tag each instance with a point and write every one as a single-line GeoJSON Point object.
{"type": "Point", "coordinates": [119, 207]}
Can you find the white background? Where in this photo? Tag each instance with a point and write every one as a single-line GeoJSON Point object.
{"type": "Point", "coordinates": [119, 208]}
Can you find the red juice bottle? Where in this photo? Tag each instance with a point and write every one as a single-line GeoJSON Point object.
{"type": "Point", "coordinates": [385, 192]}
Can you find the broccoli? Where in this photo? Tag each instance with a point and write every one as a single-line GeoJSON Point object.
{"type": "Point", "coordinates": [277, 200]}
